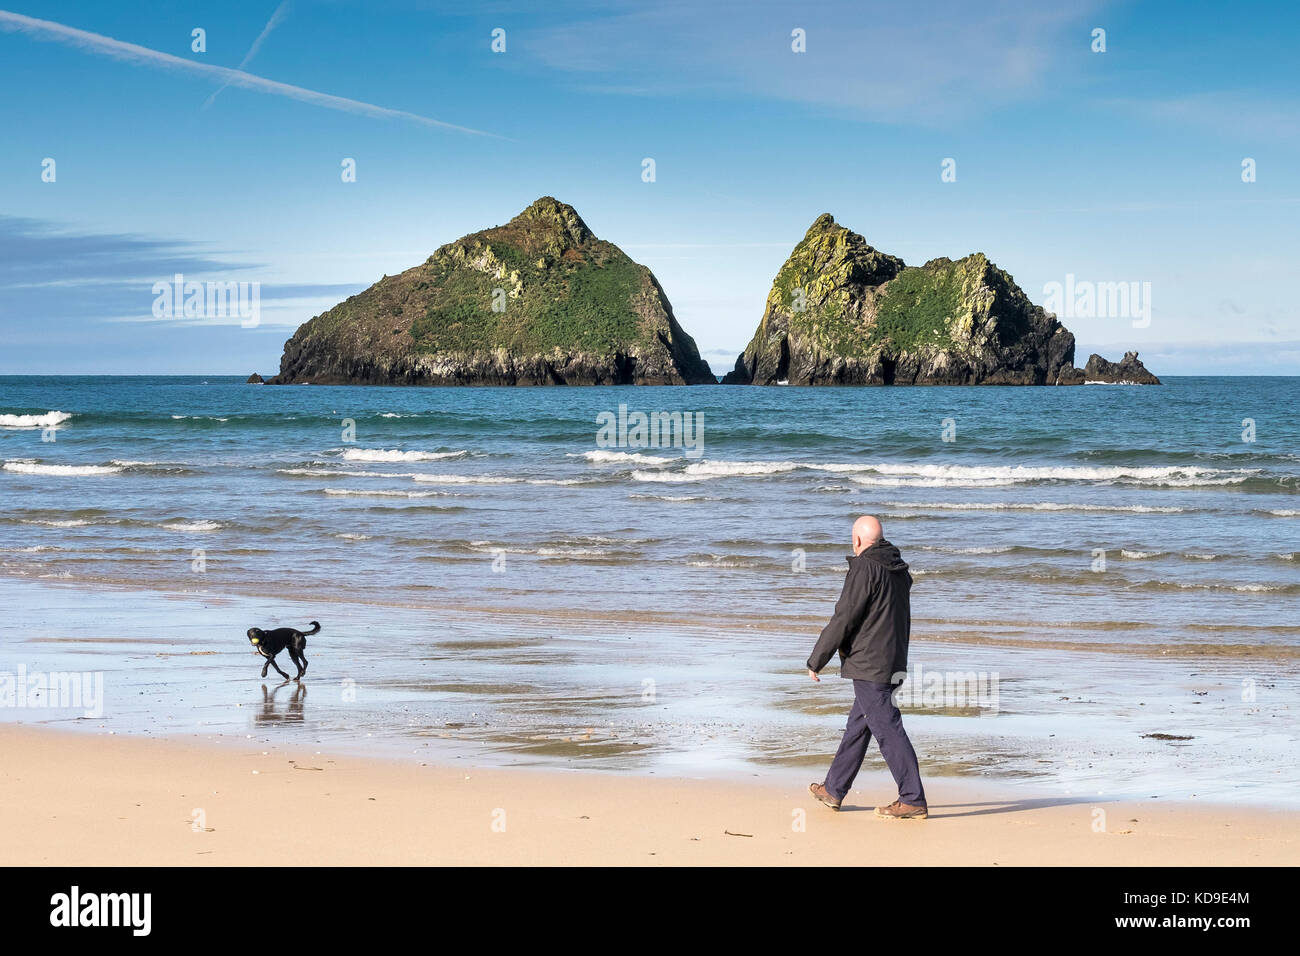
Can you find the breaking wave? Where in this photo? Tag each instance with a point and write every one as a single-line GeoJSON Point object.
{"type": "Point", "coordinates": [381, 454]}
{"type": "Point", "coordinates": [46, 420]}
{"type": "Point", "coordinates": [27, 466]}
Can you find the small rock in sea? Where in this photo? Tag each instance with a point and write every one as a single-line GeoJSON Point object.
{"type": "Point", "coordinates": [255, 379]}
{"type": "Point", "coordinates": [1128, 371]}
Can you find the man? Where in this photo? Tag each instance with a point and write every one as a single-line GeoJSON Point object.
{"type": "Point", "coordinates": [870, 628]}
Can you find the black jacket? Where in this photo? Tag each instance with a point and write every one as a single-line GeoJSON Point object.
{"type": "Point", "coordinates": [872, 619]}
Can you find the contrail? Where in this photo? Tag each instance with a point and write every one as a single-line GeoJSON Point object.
{"type": "Point", "coordinates": [271, 24]}
{"type": "Point", "coordinates": [132, 53]}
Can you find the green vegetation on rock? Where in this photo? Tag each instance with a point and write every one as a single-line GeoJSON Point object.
{"type": "Point", "coordinates": [918, 309]}
{"type": "Point", "coordinates": [571, 305]}
{"type": "Point", "coordinates": [841, 312]}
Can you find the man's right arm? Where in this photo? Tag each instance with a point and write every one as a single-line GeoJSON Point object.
{"type": "Point", "coordinates": [849, 611]}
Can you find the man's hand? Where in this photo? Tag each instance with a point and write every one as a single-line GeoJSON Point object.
{"type": "Point", "coordinates": [813, 675]}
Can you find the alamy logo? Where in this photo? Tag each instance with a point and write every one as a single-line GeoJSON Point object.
{"type": "Point", "coordinates": [75, 908]}
{"type": "Point", "coordinates": [947, 690]}
{"type": "Point", "coordinates": [1099, 300]}
{"type": "Point", "coordinates": [684, 430]}
{"type": "Point", "coordinates": [208, 300]}
{"type": "Point", "coordinates": [57, 690]}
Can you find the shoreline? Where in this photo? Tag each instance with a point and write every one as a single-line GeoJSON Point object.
{"type": "Point", "coordinates": [572, 696]}
{"type": "Point", "coordinates": [177, 802]}
{"type": "Point", "coordinates": [642, 620]}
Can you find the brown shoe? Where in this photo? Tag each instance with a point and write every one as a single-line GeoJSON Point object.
{"type": "Point", "coordinates": [902, 811]}
{"type": "Point", "coordinates": [824, 795]}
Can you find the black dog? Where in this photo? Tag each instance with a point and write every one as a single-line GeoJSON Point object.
{"type": "Point", "coordinates": [270, 643]}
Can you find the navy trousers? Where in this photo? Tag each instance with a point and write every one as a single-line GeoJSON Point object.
{"type": "Point", "coordinates": [874, 713]}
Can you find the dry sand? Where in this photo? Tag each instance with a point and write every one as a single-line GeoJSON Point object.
{"type": "Point", "coordinates": [81, 799]}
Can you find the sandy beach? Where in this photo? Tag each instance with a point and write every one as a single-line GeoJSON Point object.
{"type": "Point", "coordinates": [81, 799]}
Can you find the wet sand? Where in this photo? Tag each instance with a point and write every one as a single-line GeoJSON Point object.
{"type": "Point", "coordinates": [520, 691]}
{"type": "Point", "coordinates": [82, 799]}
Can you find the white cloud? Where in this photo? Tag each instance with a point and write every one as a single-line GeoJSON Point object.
{"type": "Point", "coordinates": [1245, 117]}
{"type": "Point", "coordinates": [927, 63]}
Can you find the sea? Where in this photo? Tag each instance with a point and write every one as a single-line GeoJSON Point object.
{"type": "Point", "coordinates": [630, 578]}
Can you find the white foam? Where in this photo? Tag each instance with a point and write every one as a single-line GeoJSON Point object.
{"type": "Point", "coordinates": [382, 454]}
{"type": "Point", "coordinates": [1179, 475]}
{"type": "Point", "coordinates": [672, 497]}
{"type": "Point", "coordinates": [46, 420]}
{"type": "Point", "coordinates": [1247, 588]}
{"type": "Point", "coordinates": [1139, 555]}
{"type": "Point", "coordinates": [383, 493]}
{"type": "Point", "coordinates": [1029, 506]}
{"type": "Point", "coordinates": [621, 457]}
{"type": "Point", "coordinates": [722, 561]}
{"type": "Point", "coordinates": [467, 479]}
{"type": "Point", "coordinates": [892, 474]}
{"type": "Point", "coordinates": [931, 482]}
{"type": "Point", "coordinates": [25, 466]}
{"type": "Point", "coordinates": [192, 526]}
{"type": "Point", "coordinates": [339, 473]}
{"type": "Point", "coordinates": [549, 551]}
{"type": "Point", "coordinates": [665, 476]}
{"type": "Point", "coordinates": [720, 469]}
{"type": "Point", "coordinates": [704, 470]}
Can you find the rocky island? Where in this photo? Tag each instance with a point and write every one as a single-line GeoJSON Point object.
{"type": "Point", "coordinates": [538, 301]}
{"type": "Point", "coordinates": [841, 312]}
{"type": "Point", "coordinates": [542, 301]}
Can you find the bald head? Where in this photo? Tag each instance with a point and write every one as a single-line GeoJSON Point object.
{"type": "Point", "coordinates": [866, 532]}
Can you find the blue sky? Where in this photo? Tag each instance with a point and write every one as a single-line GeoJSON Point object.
{"type": "Point", "coordinates": [1122, 166]}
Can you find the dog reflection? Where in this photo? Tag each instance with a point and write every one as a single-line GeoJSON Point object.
{"type": "Point", "coordinates": [272, 713]}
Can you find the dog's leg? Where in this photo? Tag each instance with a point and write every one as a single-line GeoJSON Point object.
{"type": "Point", "coordinates": [265, 666]}
{"type": "Point", "coordinates": [271, 661]}
{"type": "Point", "coordinates": [297, 651]}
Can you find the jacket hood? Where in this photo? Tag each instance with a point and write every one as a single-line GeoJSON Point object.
{"type": "Point", "coordinates": [884, 554]}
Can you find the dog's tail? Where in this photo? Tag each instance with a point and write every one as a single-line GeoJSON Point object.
{"type": "Point", "coordinates": [315, 626]}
